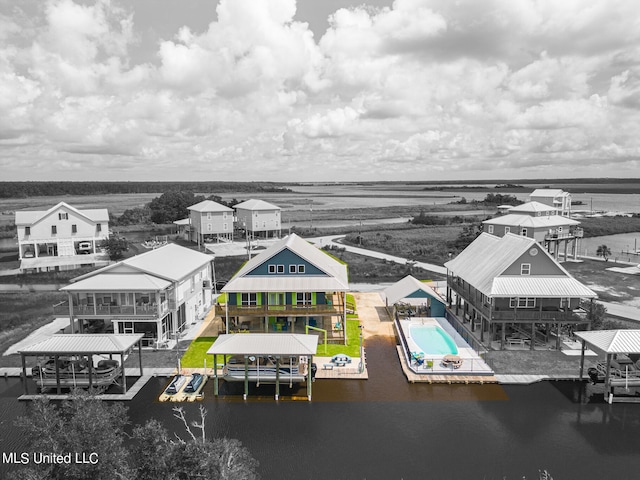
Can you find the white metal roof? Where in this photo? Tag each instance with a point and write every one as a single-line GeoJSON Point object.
{"type": "Point", "coordinates": [533, 207]}
{"type": "Point", "coordinates": [540, 286]}
{"type": "Point", "coordinates": [526, 220]}
{"type": "Point", "coordinates": [548, 192]}
{"type": "Point", "coordinates": [265, 344]}
{"type": "Point", "coordinates": [254, 204]}
{"type": "Point", "coordinates": [84, 343]}
{"type": "Point", "coordinates": [29, 217]}
{"type": "Point", "coordinates": [209, 206]}
{"type": "Point", "coordinates": [110, 282]}
{"type": "Point", "coordinates": [406, 287]}
{"type": "Point", "coordinates": [170, 261]}
{"type": "Point", "coordinates": [613, 341]}
{"type": "Point", "coordinates": [336, 279]}
{"type": "Point", "coordinates": [183, 221]}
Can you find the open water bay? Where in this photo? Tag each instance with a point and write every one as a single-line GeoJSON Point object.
{"type": "Point", "coordinates": [385, 428]}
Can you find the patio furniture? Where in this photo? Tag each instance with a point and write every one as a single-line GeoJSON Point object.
{"type": "Point", "coordinates": [451, 361]}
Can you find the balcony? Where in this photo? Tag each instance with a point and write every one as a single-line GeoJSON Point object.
{"type": "Point", "coordinates": [142, 310]}
{"type": "Point", "coordinates": [531, 315]}
{"type": "Point", "coordinates": [284, 310]}
{"type": "Point", "coordinates": [572, 233]}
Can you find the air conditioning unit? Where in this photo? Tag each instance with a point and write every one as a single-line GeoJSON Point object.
{"type": "Point", "coordinates": [206, 284]}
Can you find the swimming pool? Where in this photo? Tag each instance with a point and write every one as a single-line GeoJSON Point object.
{"type": "Point", "coordinates": [432, 340]}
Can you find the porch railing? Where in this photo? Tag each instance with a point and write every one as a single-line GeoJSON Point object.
{"type": "Point", "coordinates": [145, 310]}
{"type": "Point", "coordinates": [285, 310]}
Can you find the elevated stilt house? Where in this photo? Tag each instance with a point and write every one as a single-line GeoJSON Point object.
{"type": "Point", "coordinates": [513, 291]}
{"type": "Point", "coordinates": [287, 287]}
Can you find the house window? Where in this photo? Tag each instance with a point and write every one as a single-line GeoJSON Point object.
{"type": "Point", "coordinates": [264, 224]}
{"type": "Point", "coordinates": [507, 230]}
{"type": "Point", "coordinates": [272, 269]}
{"type": "Point", "coordinates": [522, 302]}
{"type": "Point", "coordinates": [303, 298]}
{"type": "Point", "coordinates": [524, 232]}
{"type": "Point", "coordinates": [54, 229]}
{"type": "Point", "coordinates": [63, 216]}
{"type": "Point", "coordinates": [27, 230]}
{"type": "Point", "coordinates": [292, 269]}
{"type": "Point", "coordinates": [300, 268]}
{"type": "Point", "coordinates": [280, 268]}
{"type": "Point", "coordinates": [209, 227]}
{"type": "Point", "coordinates": [98, 227]}
{"type": "Point", "coordinates": [208, 215]}
{"type": "Point", "coordinates": [74, 228]}
{"type": "Point", "coordinates": [224, 226]}
{"type": "Point", "coordinates": [559, 229]}
{"type": "Point", "coordinates": [565, 302]}
{"type": "Point", "coordinates": [249, 299]}
{"type": "Point", "coordinates": [490, 228]}
{"type": "Point", "coordinates": [525, 269]}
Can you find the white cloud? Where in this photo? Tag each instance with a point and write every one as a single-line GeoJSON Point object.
{"type": "Point", "coordinates": [468, 88]}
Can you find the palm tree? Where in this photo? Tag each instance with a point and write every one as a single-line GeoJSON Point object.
{"type": "Point", "coordinates": [604, 252]}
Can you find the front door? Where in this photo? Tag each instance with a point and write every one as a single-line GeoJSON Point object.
{"type": "Point", "coordinates": [276, 301]}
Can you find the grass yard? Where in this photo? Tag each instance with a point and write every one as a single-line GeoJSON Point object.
{"type": "Point", "coordinates": [195, 355]}
{"type": "Point", "coordinates": [353, 342]}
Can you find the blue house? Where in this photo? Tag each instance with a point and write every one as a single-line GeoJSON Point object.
{"type": "Point", "coordinates": [418, 295]}
{"type": "Point", "coordinates": [286, 288]}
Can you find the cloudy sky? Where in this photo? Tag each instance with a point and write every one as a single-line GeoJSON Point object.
{"type": "Point", "coordinates": [319, 89]}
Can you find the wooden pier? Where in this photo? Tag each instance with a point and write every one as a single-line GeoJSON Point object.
{"type": "Point", "coordinates": [442, 377]}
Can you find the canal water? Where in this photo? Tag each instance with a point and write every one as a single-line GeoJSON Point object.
{"type": "Point", "coordinates": [385, 428]}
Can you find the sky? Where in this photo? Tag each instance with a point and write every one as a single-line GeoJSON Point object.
{"type": "Point", "coordinates": [319, 90]}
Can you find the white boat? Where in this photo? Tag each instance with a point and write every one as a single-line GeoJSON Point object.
{"type": "Point", "coordinates": [263, 369]}
{"type": "Point", "coordinates": [74, 373]}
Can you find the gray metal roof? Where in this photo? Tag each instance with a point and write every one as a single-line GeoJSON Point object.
{"type": "Point", "coordinates": [483, 262]}
{"type": "Point", "coordinates": [540, 286]}
{"type": "Point", "coordinates": [209, 206]}
{"type": "Point", "coordinates": [406, 287]}
{"type": "Point", "coordinates": [613, 341]}
{"type": "Point", "coordinates": [83, 343]}
{"type": "Point", "coordinates": [254, 204]}
{"type": "Point", "coordinates": [265, 344]}
{"type": "Point", "coordinates": [29, 217]}
{"type": "Point", "coordinates": [336, 279]}
{"type": "Point", "coordinates": [120, 282]}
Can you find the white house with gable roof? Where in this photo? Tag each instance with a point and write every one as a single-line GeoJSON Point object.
{"type": "Point", "coordinates": [61, 238]}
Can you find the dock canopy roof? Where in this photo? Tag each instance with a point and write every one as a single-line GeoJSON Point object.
{"type": "Point", "coordinates": [265, 344]}
{"type": "Point", "coordinates": [407, 287]}
{"type": "Point", "coordinates": [613, 341]}
{"type": "Point", "coordinates": [79, 344]}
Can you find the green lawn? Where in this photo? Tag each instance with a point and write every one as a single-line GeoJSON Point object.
{"type": "Point", "coordinates": [195, 355]}
{"type": "Point", "coordinates": [353, 343]}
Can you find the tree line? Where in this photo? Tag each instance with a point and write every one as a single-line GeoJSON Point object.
{"type": "Point", "coordinates": [167, 208]}
{"type": "Point", "coordinates": [49, 189]}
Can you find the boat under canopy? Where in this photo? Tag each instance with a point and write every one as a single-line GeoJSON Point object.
{"type": "Point", "coordinates": [69, 361]}
{"type": "Point", "coordinates": [266, 358]}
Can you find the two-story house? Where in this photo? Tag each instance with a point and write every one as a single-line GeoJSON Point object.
{"type": "Point", "coordinates": [511, 288]}
{"type": "Point", "coordinates": [287, 287]}
{"type": "Point", "coordinates": [556, 233]}
{"type": "Point", "coordinates": [553, 197]}
{"type": "Point", "coordinates": [157, 293]}
{"type": "Point", "coordinates": [258, 219]}
{"type": "Point", "coordinates": [63, 237]}
{"type": "Point", "coordinates": [209, 222]}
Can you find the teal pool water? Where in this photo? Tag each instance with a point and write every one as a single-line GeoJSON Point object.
{"type": "Point", "coordinates": [432, 340]}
